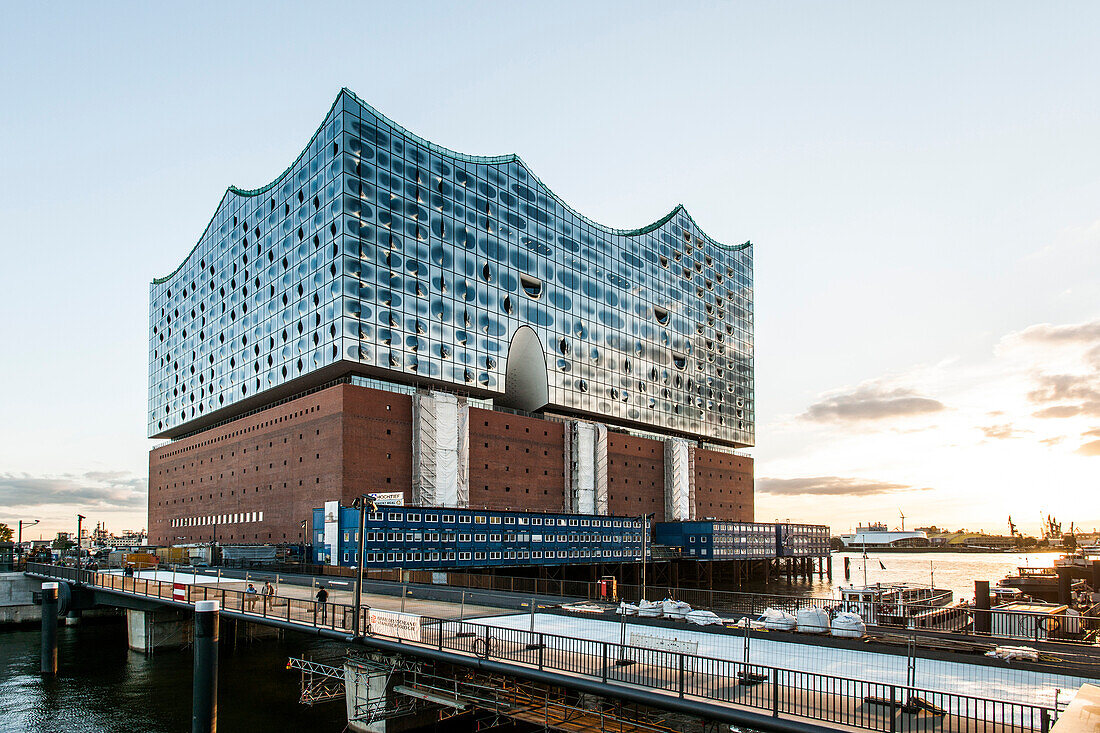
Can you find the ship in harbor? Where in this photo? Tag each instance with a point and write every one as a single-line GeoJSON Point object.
{"type": "Point", "coordinates": [877, 536]}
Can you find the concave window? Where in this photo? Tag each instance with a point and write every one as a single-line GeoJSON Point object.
{"type": "Point", "coordinates": [679, 361]}
{"type": "Point", "coordinates": [531, 286]}
{"type": "Point", "coordinates": [661, 314]}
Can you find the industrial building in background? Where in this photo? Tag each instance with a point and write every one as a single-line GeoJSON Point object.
{"type": "Point", "coordinates": [391, 316]}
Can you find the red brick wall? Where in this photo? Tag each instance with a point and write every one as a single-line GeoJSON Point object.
{"type": "Point", "coordinates": [723, 486]}
{"type": "Point", "coordinates": [377, 442]}
{"type": "Point", "coordinates": [635, 476]}
{"type": "Point", "coordinates": [276, 461]}
{"type": "Point", "coordinates": [516, 462]}
{"type": "Point", "coordinates": [346, 439]}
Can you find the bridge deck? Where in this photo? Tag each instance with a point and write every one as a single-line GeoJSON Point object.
{"type": "Point", "coordinates": [838, 702]}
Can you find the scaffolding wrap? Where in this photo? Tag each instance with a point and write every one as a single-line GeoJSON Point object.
{"type": "Point", "coordinates": [601, 469]}
{"type": "Point", "coordinates": [440, 450]}
{"type": "Point", "coordinates": [679, 480]}
{"type": "Point", "coordinates": [586, 453]}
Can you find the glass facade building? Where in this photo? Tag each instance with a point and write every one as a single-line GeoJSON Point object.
{"type": "Point", "coordinates": [381, 254]}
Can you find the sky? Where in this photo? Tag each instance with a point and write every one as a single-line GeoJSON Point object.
{"type": "Point", "coordinates": [919, 181]}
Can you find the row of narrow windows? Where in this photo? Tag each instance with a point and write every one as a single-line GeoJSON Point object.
{"type": "Point", "coordinates": [237, 433]}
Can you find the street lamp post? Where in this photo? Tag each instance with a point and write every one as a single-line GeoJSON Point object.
{"type": "Point", "coordinates": [645, 548]}
{"type": "Point", "coordinates": [79, 521]}
{"type": "Point", "coordinates": [23, 523]}
{"type": "Point", "coordinates": [362, 503]}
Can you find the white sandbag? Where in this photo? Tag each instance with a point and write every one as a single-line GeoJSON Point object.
{"type": "Point", "coordinates": [776, 619]}
{"type": "Point", "coordinates": [848, 625]}
{"type": "Point", "coordinates": [627, 609]}
{"type": "Point", "coordinates": [812, 621]}
{"type": "Point", "coordinates": [702, 618]}
{"type": "Point", "coordinates": [750, 622]}
{"type": "Point", "coordinates": [646, 609]}
{"type": "Point", "coordinates": [674, 609]}
{"type": "Point", "coordinates": [1009, 653]}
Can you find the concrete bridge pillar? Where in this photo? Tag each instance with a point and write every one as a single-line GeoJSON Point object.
{"type": "Point", "coordinates": [364, 692]}
{"type": "Point", "coordinates": [165, 628]}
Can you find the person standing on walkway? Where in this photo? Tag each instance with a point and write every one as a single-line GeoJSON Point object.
{"type": "Point", "coordinates": [251, 596]}
{"type": "Point", "coordinates": [322, 600]}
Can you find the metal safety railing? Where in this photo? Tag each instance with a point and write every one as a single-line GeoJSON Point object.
{"type": "Point", "coordinates": [774, 690]}
{"type": "Point", "coordinates": [1051, 623]}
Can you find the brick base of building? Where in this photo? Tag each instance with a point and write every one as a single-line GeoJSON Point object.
{"type": "Point", "coordinates": [265, 473]}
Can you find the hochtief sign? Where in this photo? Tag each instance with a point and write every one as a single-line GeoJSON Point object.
{"type": "Point", "coordinates": [394, 623]}
{"type": "Point", "coordinates": [389, 498]}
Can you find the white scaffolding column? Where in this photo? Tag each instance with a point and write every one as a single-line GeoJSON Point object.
{"type": "Point", "coordinates": [586, 458]}
{"type": "Point", "coordinates": [679, 480]}
{"type": "Point", "coordinates": [441, 449]}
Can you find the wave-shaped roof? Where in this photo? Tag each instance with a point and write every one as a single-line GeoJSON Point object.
{"type": "Point", "coordinates": [453, 154]}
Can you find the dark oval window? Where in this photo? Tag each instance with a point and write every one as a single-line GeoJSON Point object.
{"type": "Point", "coordinates": [532, 286]}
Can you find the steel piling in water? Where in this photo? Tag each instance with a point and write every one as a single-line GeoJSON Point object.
{"type": "Point", "coordinates": [982, 619]}
{"type": "Point", "coordinates": [49, 628]}
{"type": "Point", "coordinates": [204, 694]}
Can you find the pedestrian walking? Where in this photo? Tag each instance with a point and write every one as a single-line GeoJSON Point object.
{"type": "Point", "coordinates": [322, 600]}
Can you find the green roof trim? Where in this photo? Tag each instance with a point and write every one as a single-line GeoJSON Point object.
{"type": "Point", "coordinates": [447, 152]}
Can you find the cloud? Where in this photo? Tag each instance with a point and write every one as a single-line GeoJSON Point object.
{"type": "Point", "coordinates": [1052, 441]}
{"type": "Point", "coordinates": [1071, 333]}
{"type": "Point", "coordinates": [1094, 432]}
{"type": "Point", "coordinates": [1090, 449]}
{"type": "Point", "coordinates": [871, 402]}
{"type": "Point", "coordinates": [1081, 389]}
{"type": "Point", "coordinates": [94, 490]}
{"type": "Point", "coordinates": [1065, 394]}
{"type": "Point", "coordinates": [1003, 432]}
{"type": "Point", "coordinates": [1061, 387]}
{"type": "Point", "coordinates": [830, 486]}
{"type": "Point", "coordinates": [1058, 411]}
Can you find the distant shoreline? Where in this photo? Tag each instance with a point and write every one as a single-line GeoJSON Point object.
{"type": "Point", "coordinates": [959, 550]}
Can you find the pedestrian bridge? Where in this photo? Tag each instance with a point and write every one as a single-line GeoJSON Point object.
{"type": "Point", "coordinates": [765, 698]}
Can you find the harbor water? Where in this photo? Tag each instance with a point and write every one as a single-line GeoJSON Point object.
{"type": "Point", "coordinates": [101, 686]}
{"type": "Point", "coordinates": [954, 571]}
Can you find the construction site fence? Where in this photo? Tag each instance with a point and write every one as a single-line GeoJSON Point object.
{"type": "Point", "coordinates": [773, 690]}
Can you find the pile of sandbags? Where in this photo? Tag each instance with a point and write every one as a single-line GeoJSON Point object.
{"type": "Point", "coordinates": [674, 609]}
{"type": "Point", "coordinates": [812, 621]}
{"type": "Point", "coordinates": [776, 619]}
{"type": "Point", "coordinates": [703, 618]}
{"type": "Point", "coordinates": [627, 609]}
{"type": "Point", "coordinates": [849, 625]}
{"type": "Point", "coordinates": [648, 609]}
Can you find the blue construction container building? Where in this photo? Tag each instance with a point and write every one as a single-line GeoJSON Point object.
{"type": "Point", "coordinates": [719, 540]}
{"type": "Point", "coordinates": [449, 537]}
{"type": "Point", "coordinates": [802, 540]}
